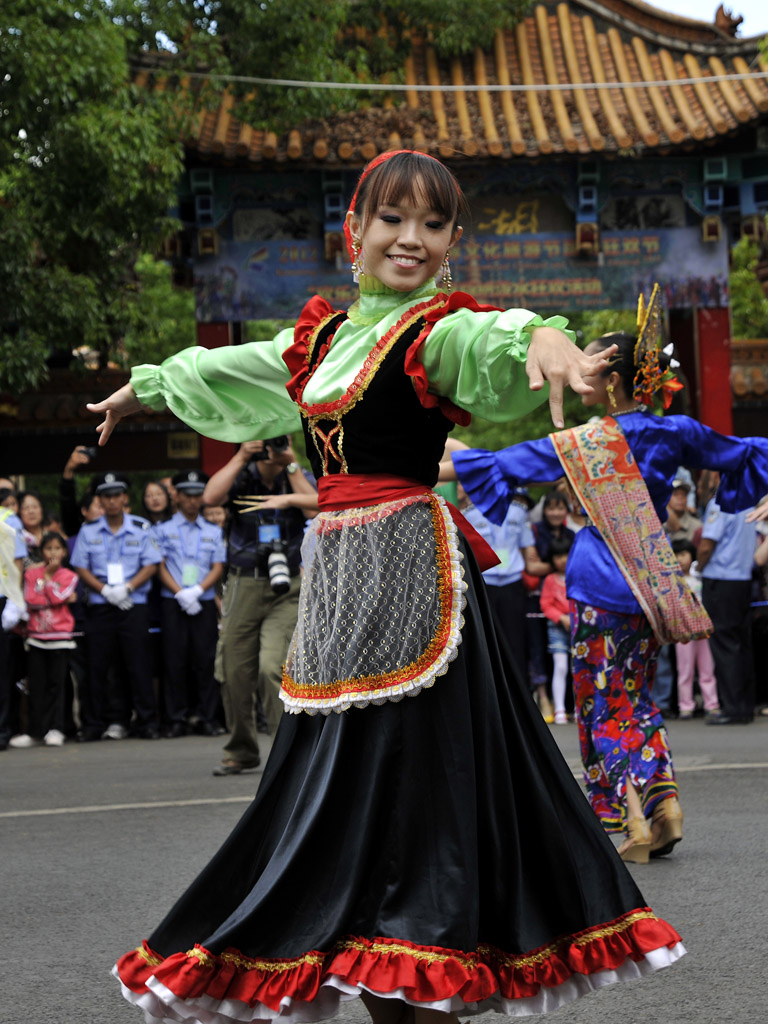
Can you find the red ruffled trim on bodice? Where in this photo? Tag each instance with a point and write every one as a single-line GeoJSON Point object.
{"type": "Point", "coordinates": [424, 973]}
{"type": "Point", "coordinates": [295, 357]}
{"type": "Point", "coordinates": [318, 310]}
{"type": "Point", "coordinates": [415, 369]}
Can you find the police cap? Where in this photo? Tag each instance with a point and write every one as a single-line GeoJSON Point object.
{"type": "Point", "coordinates": [190, 481]}
{"type": "Point", "coordinates": [111, 482]}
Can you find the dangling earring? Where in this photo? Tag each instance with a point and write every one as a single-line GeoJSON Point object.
{"type": "Point", "coordinates": [357, 260]}
{"type": "Point", "coordinates": [611, 396]}
{"type": "Point", "coordinates": [447, 279]}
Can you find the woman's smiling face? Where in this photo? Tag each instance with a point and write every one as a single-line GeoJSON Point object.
{"type": "Point", "coordinates": [404, 244]}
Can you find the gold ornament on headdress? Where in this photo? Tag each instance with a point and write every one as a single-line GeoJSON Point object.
{"type": "Point", "coordinates": [649, 376]}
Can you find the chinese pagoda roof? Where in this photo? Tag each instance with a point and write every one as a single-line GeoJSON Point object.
{"type": "Point", "coordinates": [616, 43]}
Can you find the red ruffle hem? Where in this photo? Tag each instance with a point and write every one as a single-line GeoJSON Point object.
{"type": "Point", "coordinates": [218, 989]}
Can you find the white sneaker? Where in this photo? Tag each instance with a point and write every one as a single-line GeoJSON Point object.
{"type": "Point", "coordinates": [22, 741]}
{"type": "Point", "coordinates": [561, 718]}
{"type": "Point", "coordinates": [114, 732]}
{"type": "Point", "coordinates": [53, 738]}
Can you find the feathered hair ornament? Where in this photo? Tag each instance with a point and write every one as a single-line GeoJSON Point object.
{"type": "Point", "coordinates": [649, 376]}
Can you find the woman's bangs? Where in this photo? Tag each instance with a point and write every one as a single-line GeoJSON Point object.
{"type": "Point", "coordinates": [417, 180]}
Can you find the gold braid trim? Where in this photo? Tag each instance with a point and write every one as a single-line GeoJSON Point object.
{"type": "Point", "coordinates": [469, 961]}
{"type": "Point", "coordinates": [245, 963]}
{"type": "Point", "coordinates": [148, 958]}
{"type": "Point", "coordinates": [315, 333]}
{"type": "Point", "coordinates": [545, 954]}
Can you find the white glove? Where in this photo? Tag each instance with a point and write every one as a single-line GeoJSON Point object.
{"type": "Point", "coordinates": [13, 614]}
{"type": "Point", "coordinates": [194, 609]}
{"type": "Point", "coordinates": [118, 595]}
{"type": "Point", "coordinates": [188, 596]}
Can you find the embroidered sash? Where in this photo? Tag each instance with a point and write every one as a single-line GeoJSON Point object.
{"type": "Point", "coordinates": [602, 470]}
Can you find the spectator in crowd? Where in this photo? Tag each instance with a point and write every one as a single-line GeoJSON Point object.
{"type": "Point", "coordinates": [9, 500]}
{"type": "Point", "coordinates": [49, 590]}
{"type": "Point", "coordinates": [167, 483]}
{"type": "Point", "coordinates": [70, 507]}
{"type": "Point", "coordinates": [156, 502]}
{"type": "Point", "coordinates": [726, 556]}
{"type": "Point", "coordinates": [555, 605]}
{"type": "Point", "coordinates": [760, 622]}
{"type": "Point", "coordinates": [216, 514]}
{"type": "Point", "coordinates": [696, 655]}
{"type": "Point", "coordinates": [13, 551]}
{"type": "Point", "coordinates": [681, 523]}
{"type": "Point", "coordinates": [513, 542]}
{"type": "Point", "coordinates": [258, 614]}
{"type": "Point", "coordinates": [116, 559]}
{"type": "Point", "coordinates": [193, 553]}
{"type": "Point", "coordinates": [31, 516]}
{"type": "Point", "coordinates": [555, 511]}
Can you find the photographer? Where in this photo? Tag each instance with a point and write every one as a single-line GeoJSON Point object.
{"type": "Point", "coordinates": [262, 593]}
{"type": "Point", "coordinates": [70, 508]}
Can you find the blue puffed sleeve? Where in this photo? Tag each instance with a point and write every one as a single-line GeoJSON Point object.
{"type": "Point", "coordinates": [490, 477]}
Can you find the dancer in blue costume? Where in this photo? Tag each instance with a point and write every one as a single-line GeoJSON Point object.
{"type": "Point", "coordinates": [416, 839]}
{"type": "Point", "coordinates": [626, 591]}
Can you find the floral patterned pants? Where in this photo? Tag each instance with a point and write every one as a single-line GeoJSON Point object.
{"type": "Point", "coordinates": [621, 732]}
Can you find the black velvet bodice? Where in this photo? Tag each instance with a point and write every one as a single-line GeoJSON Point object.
{"type": "Point", "coordinates": [387, 429]}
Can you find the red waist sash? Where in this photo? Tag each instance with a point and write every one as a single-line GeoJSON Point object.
{"type": "Point", "coordinates": [357, 490]}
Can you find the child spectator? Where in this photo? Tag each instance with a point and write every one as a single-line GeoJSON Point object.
{"type": "Point", "coordinates": [48, 590]}
{"type": "Point", "coordinates": [696, 655]}
{"type": "Point", "coordinates": [555, 606]}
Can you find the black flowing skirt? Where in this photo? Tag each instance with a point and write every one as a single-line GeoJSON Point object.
{"type": "Point", "coordinates": [437, 850]}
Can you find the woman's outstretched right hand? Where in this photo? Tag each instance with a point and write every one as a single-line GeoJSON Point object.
{"type": "Point", "coordinates": [120, 403]}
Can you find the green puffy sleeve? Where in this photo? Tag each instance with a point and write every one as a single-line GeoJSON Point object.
{"type": "Point", "coordinates": [478, 361]}
{"type": "Point", "coordinates": [235, 393]}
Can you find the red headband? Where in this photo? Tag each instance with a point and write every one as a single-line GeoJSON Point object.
{"type": "Point", "coordinates": [380, 159]}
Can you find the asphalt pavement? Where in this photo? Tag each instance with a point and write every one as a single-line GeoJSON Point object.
{"type": "Point", "coordinates": [97, 841]}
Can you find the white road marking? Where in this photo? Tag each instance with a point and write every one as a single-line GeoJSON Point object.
{"type": "Point", "coordinates": [152, 805]}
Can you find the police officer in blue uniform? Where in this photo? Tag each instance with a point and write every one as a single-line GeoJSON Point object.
{"type": "Point", "coordinates": [193, 553]}
{"type": "Point", "coordinates": [115, 557]}
{"type": "Point", "coordinates": [726, 558]}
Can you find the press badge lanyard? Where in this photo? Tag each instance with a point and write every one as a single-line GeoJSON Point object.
{"type": "Point", "coordinates": [190, 570]}
{"type": "Point", "coordinates": [115, 570]}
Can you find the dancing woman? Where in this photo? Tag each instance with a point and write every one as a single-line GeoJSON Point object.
{"type": "Point", "coordinates": [626, 590]}
{"type": "Point", "coordinates": [416, 839]}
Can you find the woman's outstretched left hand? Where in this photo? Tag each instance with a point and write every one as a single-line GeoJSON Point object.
{"type": "Point", "coordinates": [120, 403]}
{"type": "Point", "coordinates": [553, 357]}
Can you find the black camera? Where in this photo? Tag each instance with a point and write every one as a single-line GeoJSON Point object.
{"type": "Point", "coordinates": [90, 452]}
{"type": "Point", "coordinates": [276, 444]}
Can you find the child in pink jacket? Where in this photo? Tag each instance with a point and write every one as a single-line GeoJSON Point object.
{"type": "Point", "coordinates": [555, 606]}
{"type": "Point", "coordinates": [49, 589]}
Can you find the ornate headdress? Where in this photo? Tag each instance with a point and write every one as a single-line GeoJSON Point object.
{"type": "Point", "coordinates": [650, 377]}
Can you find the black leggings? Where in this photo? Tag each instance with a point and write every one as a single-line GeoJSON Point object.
{"type": "Point", "coordinates": [46, 683]}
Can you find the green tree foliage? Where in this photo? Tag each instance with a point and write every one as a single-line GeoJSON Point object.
{"type": "Point", "coordinates": [749, 303]}
{"type": "Point", "coordinates": [89, 161]}
{"type": "Point", "coordinates": [88, 169]}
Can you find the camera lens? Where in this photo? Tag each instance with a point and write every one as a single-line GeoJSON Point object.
{"type": "Point", "coordinates": [279, 573]}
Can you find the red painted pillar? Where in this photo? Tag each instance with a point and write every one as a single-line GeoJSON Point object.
{"type": "Point", "coordinates": [713, 337]}
{"type": "Point", "coordinates": [214, 454]}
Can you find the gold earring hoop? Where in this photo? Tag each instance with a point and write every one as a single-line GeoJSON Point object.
{"type": "Point", "coordinates": [611, 396]}
{"type": "Point", "coordinates": [447, 278]}
{"type": "Point", "coordinates": [357, 260]}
